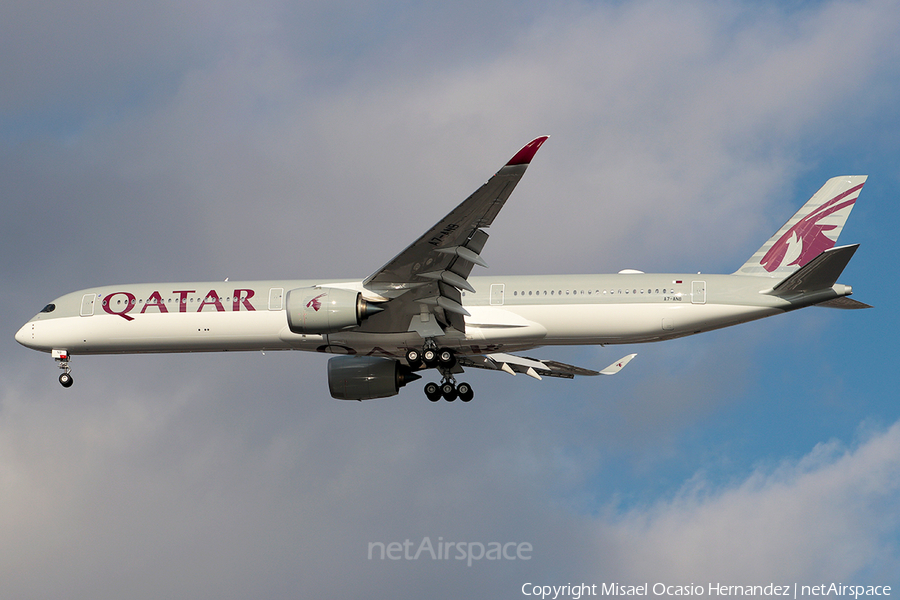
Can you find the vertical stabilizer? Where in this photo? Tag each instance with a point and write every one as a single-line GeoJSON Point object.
{"type": "Point", "coordinates": [814, 229]}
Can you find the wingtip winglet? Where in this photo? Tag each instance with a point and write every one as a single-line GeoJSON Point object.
{"type": "Point", "coordinates": [524, 156]}
{"type": "Point", "coordinates": [618, 365]}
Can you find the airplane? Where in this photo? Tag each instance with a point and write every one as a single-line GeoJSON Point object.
{"type": "Point", "coordinates": [422, 309]}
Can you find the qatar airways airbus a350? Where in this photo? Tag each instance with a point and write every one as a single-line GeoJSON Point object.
{"type": "Point", "coordinates": [423, 310]}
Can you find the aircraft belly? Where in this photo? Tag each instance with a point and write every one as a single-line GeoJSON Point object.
{"type": "Point", "coordinates": [630, 322]}
{"type": "Point", "coordinates": [189, 332]}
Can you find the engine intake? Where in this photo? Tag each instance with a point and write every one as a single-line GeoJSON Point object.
{"type": "Point", "coordinates": [367, 377]}
{"type": "Point", "coordinates": [319, 310]}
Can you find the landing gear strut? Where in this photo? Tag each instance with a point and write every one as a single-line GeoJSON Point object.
{"type": "Point", "coordinates": [62, 358]}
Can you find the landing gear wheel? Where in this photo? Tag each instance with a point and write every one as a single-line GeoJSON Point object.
{"type": "Point", "coordinates": [430, 357]}
{"type": "Point", "coordinates": [465, 392]}
{"type": "Point", "coordinates": [66, 380]}
{"type": "Point", "coordinates": [448, 391]}
{"type": "Point", "coordinates": [446, 358]}
{"type": "Point", "coordinates": [432, 392]}
{"type": "Point", "coordinates": [413, 357]}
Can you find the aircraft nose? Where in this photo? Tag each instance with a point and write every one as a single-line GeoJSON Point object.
{"type": "Point", "coordinates": [24, 335]}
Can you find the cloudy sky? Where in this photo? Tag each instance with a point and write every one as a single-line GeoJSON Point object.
{"type": "Point", "coordinates": [166, 141]}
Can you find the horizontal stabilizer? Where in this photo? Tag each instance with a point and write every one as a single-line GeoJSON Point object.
{"type": "Point", "coordinates": [844, 303]}
{"type": "Point", "coordinates": [818, 274]}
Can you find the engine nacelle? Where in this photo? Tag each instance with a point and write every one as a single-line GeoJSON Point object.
{"type": "Point", "coordinates": [318, 310]}
{"type": "Point", "coordinates": [366, 377]}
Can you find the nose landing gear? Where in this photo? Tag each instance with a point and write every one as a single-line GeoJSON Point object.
{"type": "Point", "coordinates": [62, 358]}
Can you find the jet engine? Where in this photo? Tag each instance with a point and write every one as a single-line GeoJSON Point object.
{"type": "Point", "coordinates": [319, 310]}
{"type": "Point", "coordinates": [366, 377]}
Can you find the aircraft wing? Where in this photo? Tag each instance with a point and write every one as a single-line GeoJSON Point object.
{"type": "Point", "coordinates": [429, 275]}
{"type": "Point", "coordinates": [509, 363]}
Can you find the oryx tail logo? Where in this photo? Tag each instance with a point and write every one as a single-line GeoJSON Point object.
{"type": "Point", "coordinates": [808, 237]}
{"type": "Point", "coordinates": [315, 304]}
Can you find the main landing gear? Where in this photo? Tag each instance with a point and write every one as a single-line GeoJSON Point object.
{"type": "Point", "coordinates": [62, 357]}
{"type": "Point", "coordinates": [443, 359]}
{"type": "Point", "coordinates": [449, 390]}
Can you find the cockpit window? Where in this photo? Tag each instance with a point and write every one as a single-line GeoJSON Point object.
{"type": "Point", "coordinates": [49, 308]}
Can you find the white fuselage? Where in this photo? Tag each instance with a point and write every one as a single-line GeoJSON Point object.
{"type": "Point", "coordinates": [506, 314]}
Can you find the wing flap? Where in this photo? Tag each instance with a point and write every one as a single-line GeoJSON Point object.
{"type": "Point", "coordinates": [537, 368]}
